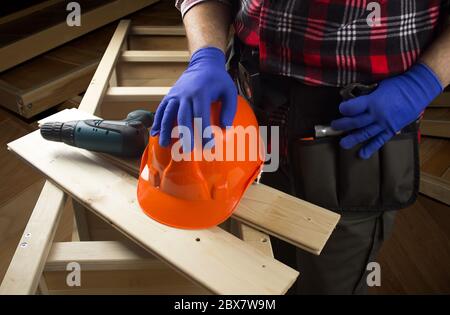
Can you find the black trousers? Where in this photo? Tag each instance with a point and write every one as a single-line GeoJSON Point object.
{"type": "Point", "coordinates": [341, 268]}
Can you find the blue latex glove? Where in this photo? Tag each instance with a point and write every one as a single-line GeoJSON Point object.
{"type": "Point", "coordinates": [397, 102]}
{"type": "Point", "coordinates": [204, 81]}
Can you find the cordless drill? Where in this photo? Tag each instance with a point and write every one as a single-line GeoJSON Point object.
{"type": "Point", "coordinates": [125, 138]}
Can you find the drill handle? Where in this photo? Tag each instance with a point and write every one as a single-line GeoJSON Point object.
{"type": "Point", "coordinates": [144, 116]}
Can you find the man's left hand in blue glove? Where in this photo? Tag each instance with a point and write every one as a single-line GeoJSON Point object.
{"type": "Point", "coordinates": [397, 102]}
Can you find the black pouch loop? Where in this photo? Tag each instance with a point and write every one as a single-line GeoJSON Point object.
{"type": "Point", "coordinates": [399, 161]}
{"type": "Point", "coordinates": [315, 167]}
{"type": "Point", "coordinates": [359, 180]}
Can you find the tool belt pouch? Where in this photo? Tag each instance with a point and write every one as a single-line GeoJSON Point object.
{"type": "Point", "coordinates": [338, 179]}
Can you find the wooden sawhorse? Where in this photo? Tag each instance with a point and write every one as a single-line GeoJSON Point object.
{"type": "Point", "coordinates": [206, 261]}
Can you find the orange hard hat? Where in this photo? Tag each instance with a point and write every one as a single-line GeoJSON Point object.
{"type": "Point", "coordinates": [197, 193]}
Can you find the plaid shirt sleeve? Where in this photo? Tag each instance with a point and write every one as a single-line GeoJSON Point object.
{"type": "Point", "coordinates": [186, 5]}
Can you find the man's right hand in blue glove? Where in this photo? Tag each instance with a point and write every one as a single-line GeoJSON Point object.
{"type": "Point", "coordinates": [204, 81]}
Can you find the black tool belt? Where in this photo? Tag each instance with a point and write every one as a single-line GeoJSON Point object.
{"type": "Point", "coordinates": [321, 171]}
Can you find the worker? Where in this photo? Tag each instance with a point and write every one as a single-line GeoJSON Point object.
{"type": "Point", "coordinates": [365, 68]}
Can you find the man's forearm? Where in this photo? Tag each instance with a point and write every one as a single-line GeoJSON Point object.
{"type": "Point", "coordinates": [207, 24]}
{"type": "Point", "coordinates": [437, 57]}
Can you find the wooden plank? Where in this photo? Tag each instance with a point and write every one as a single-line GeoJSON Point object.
{"type": "Point", "coordinates": [255, 238]}
{"type": "Point", "coordinates": [157, 42]}
{"type": "Point", "coordinates": [26, 267]}
{"type": "Point", "coordinates": [113, 79]}
{"type": "Point", "coordinates": [249, 235]}
{"type": "Point", "coordinates": [43, 90]}
{"type": "Point", "coordinates": [158, 30]}
{"type": "Point", "coordinates": [27, 11]}
{"type": "Point", "coordinates": [149, 73]}
{"type": "Point", "coordinates": [435, 187]}
{"type": "Point", "coordinates": [135, 94]}
{"type": "Point", "coordinates": [441, 101]}
{"type": "Point", "coordinates": [212, 258]}
{"type": "Point", "coordinates": [435, 128]}
{"type": "Point", "coordinates": [293, 220]}
{"type": "Point", "coordinates": [434, 153]}
{"type": "Point", "coordinates": [113, 256]}
{"type": "Point", "coordinates": [55, 76]}
{"type": "Point", "coordinates": [9, 96]}
{"type": "Point", "coordinates": [155, 56]}
{"type": "Point", "coordinates": [107, 255]}
{"type": "Point", "coordinates": [42, 288]}
{"type": "Point", "coordinates": [14, 216]}
{"type": "Point", "coordinates": [29, 47]}
{"type": "Point", "coordinates": [156, 279]}
{"type": "Point", "coordinates": [80, 221]}
{"type": "Point", "coordinates": [95, 93]}
{"type": "Point", "coordinates": [446, 174]}
{"type": "Point", "coordinates": [120, 110]}
{"type": "Point", "coordinates": [437, 114]}
{"type": "Point", "coordinates": [48, 95]}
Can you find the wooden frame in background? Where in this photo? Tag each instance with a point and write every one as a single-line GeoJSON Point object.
{"type": "Point", "coordinates": [26, 48]}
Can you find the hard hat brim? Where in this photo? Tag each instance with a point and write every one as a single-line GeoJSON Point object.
{"type": "Point", "coordinates": [183, 214]}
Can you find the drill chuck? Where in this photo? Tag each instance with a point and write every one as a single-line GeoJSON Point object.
{"type": "Point", "coordinates": [59, 132]}
{"type": "Point", "coordinates": [126, 138]}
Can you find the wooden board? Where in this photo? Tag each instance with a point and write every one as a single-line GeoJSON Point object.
{"type": "Point", "coordinates": [49, 28]}
{"type": "Point", "coordinates": [442, 101]}
{"type": "Point", "coordinates": [259, 240]}
{"type": "Point", "coordinates": [159, 30]}
{"type": "Point", "coordinates": [148, 74]}
{"type": "Point", "coordinates": [434, 153]}
{"type": "Point", "coordinates": [111, 268]}
{"type": "Point", "coordinates": [93, 255]}
{"type": "Point", "coordinates": [14, 216]}
{"type": "Point", "coordinates": [135, 94]}
{"type": "Point", "coordinates": [25, 9]}
{"type": "Point", "coordinates": [293, 220]}
{"type": "Point", "coordinates": [157, 42]}
{"type": "Point", "coordinates": [435, 128]}
{"type": "Point", "coordinates": [435, 187]}
{"type": "Point", "coordinates": [54, 77]}
{"type": "Point", "coordinates": [436, 122]}
{"type": "Point", "coordinates": [156, 56]}
{"type": "Point", "coordinates": [212, 258]}
{"type": "Point", "coordinates": [158, 279]}
{"type": "Point", "coordinates": [25, 270]}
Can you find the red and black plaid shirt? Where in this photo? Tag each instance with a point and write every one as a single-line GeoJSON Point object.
{"type": "Point", "coordinates": [330, 42]}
